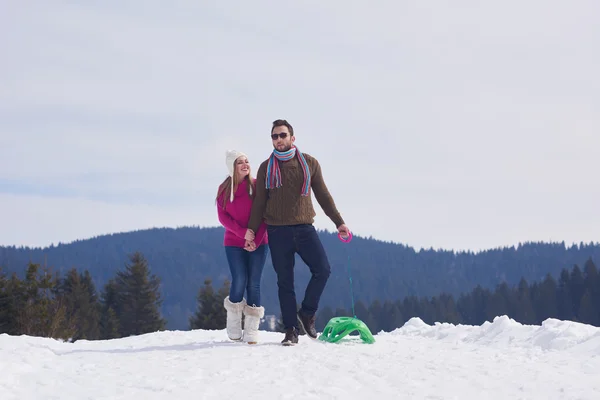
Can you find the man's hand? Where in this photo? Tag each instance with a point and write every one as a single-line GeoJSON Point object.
{"type": "Point", "coordinates": [250, 245]}
{"type": "Point", "coordinates": [344, 231]}
{"type": "Point", "coordinates": [249, 235]}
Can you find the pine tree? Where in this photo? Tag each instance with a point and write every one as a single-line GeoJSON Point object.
{"type": "Point", "coordinates": [590, 273]}
{"type": "Point", "coordinates": [81, 301]}
{"type": "Point", "coordinates": [577, 288]}
{"type": "Point", "coordinates": [4, 303]}
{"type": "Point", "coordinates": [40, 312]}
{"type": "Point", "coordinates": [524, 312]}
{"type": "Point", "coordinates": [110, 325]}
{"type": "Point", "coordinates": [210, 313]}
{"type": "Point", "coordinates": [139, 298]}
{"type": "Point", "coordinates": [11, 305]}
{"type": "Point", "coordinates": [410, 308]}
{"type": "Point", "coordinates": [449, 309]}
{"type": "Point", "coordinates": [109, 308]}
{"type": "Point", "coordinates": [592, 283]}
{"type": "Point", "coordinates": [587, 311]}
{"type": "Point", "coordinates": [374, 322]}
{"type": "Point", "coordinates": [482, 299]}
{"type": "Point", "coordinates": [499, 303]}
{"type": "Point", "coordinates": [545, 300]}
{"type": "Point", "coordinates": [361, 311]}
{"type": "Point", "coordinates": [91, 313]}
{"type": "Point", "coordinates": [564, 298]}
{"type": "Point", "coordinates": [426, 311]}
{"type": "Point", "coordinates": [392, 317]}
{"type": "Point", "coordinates": [467, 308]}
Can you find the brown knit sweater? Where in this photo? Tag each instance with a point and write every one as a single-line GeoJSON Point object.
{"type": "Point", "coordinates": [285, 205]}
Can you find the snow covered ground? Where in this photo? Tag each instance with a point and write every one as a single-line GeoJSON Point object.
{"type": "Point", "coordinates": [499, 360]}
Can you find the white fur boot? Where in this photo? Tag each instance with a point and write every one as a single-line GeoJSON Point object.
{"type": "Point", "coordinates": [252, 316]}
{"type": "Point", "coordinates": [234, 318]}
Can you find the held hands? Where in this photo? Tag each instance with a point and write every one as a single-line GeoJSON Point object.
{"type": "Point", "coordinates": [249, 237]}
{"type": "Point", "coordinates": [250, 245]}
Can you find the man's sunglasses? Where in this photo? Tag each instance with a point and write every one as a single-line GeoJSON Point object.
{"type": "Point", "coordinates": [282, 135]}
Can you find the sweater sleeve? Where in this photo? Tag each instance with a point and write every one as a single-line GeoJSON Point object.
{"type": "Point", "coordinates": [227, 220]}
{"type": "Point", "coordinates": [259, 204]}
{"type": "Point", "coordinates": [323, 196]}
{"type": "Point", "coordinates": [261, 230]}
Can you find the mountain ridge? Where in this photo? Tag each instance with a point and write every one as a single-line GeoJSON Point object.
{"type": "Point", "coordinates": [183, 257]}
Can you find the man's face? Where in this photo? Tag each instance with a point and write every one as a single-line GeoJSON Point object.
{"type": "Point", "coordinates": [282, 143]}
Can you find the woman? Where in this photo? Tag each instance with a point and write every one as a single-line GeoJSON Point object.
{"type": "Point", "coordinates": [246, 260]}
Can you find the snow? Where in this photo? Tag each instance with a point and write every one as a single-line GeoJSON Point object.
{"type": "Point", "coordinates": [498, 360]}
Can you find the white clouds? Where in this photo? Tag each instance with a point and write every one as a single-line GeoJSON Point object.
{"type": "Point", "coordinates": [453, 110]}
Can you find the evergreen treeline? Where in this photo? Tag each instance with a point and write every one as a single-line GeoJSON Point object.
{"type": "Point", "coordinates": [43, 304]}
{"type": "Point", "coordinates": [210, 313]}
{"type": "Point", "coordinates": [184, 257]}
{"type": "Point", "coordinates": [575, 296]}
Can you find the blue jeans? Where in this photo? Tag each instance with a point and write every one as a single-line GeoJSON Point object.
{"type": "Point", "coordinates": [284, 243]}
{"type": "Point", "coordinates": [246, 272]}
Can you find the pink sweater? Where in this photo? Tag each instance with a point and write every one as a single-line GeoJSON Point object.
{"type": "Point", "coordinates": [235, 218]}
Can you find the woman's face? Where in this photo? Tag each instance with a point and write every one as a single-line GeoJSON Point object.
{"type": "Point", "coordinates": [242, 167]}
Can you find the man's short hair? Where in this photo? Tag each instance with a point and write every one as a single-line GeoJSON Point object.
{"type": "Point", "coordinates": [282, 122]}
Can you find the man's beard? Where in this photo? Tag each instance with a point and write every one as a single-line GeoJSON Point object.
{"type": "Point", "coordinates": [285, 148]}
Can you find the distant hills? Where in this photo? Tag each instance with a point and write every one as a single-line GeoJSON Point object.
{"type": "Point", "coordinates": [184, 257]}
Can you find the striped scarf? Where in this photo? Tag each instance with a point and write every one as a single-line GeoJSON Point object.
{"type": "Point", "coordinates": [273, 179]}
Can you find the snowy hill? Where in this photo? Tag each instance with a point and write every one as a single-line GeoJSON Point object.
{"type": "Point", "coordinates": [499, 360]}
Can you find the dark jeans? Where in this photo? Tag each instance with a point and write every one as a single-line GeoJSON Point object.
{"type": "Point", "coordinates": [284, 243]}
{"type": "Point", "coordinates": [246, 272]}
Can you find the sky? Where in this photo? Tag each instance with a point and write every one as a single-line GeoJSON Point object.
{"type": "Point", "coordinates": [454, 125]}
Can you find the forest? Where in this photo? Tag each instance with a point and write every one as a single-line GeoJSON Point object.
{"type": "Point", "coordinates": [382, 272]}
{"type": "Point", "coordinates": [44, 303]}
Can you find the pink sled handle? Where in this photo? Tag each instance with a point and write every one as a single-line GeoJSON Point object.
{"type": "Point", "coordinates": [346, 239]}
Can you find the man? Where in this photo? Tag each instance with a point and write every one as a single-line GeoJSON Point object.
{"type": "Point", "coordinates": [284, 183]}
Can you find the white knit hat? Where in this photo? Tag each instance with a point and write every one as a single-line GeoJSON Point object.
{"type": "Point", "coordinates": [230, 157]}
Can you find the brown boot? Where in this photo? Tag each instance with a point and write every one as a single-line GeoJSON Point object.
{"type": "Point", "coordinates": [291, 337]}
{"type": "Point", "coordinates": [307, 324]}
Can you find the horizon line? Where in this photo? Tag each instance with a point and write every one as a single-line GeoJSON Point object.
{"type": "Point", "coordinates": [355, 235]}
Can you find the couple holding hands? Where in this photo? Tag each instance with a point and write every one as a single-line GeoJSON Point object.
{"type": "Point", "coordinates": [274, 213]}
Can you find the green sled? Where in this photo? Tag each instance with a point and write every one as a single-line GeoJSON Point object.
{"type": "Point", "coordinates": [339, 327]}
